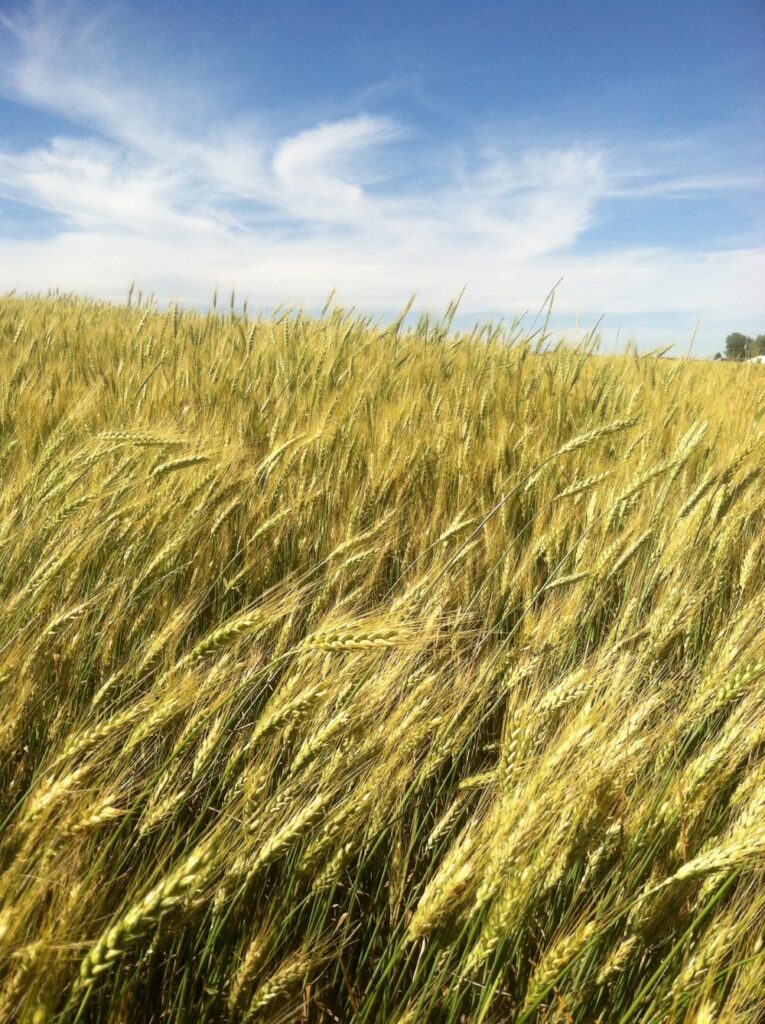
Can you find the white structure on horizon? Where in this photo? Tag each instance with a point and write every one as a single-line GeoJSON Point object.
{"type": "Point", "coordinates": [756, 359]}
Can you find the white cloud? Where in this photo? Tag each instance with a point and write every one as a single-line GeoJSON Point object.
{"type": "Point", "coordinates": [658, 185]}
{"type": "Point", "coordinates": [309, 169]}
{"type": "Point", "coordinates": [88, 184]}
{"type": "Point", "coordinates": [182, 208]}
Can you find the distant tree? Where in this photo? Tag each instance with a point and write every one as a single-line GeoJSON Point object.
{"type": "Point", "coordinates": [717, 356]}
{"type": "Point", "coordinates": [738, 346]}
{"type": "Point", "coordinates": [758, 345]}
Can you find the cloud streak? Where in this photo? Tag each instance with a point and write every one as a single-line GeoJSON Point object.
{"type": "Point", "coordinates": [138, 190]}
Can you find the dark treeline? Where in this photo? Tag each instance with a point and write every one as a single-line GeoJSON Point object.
{"type": "Point", "coordinates": [741, 346]}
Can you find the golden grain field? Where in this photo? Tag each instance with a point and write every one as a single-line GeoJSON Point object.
{"type": "Point", "coordinates": [375, 674]}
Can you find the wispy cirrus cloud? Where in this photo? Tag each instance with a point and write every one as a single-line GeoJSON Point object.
{"type": "Point", "coordinates": [137, 189]}
{"type": "Point", "coordinates": [645, 184]}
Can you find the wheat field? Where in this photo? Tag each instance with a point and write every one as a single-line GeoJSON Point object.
{"type": "Point", "coordinates": [370, 673]}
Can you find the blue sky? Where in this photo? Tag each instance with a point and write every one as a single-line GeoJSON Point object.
{"type": "Point", "coordinates": [383, 149]}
